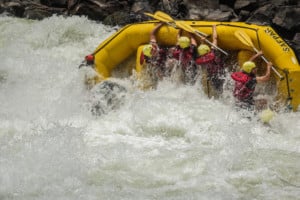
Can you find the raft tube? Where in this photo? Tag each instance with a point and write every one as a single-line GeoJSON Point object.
{"type": "Point", "coordinates": [123, 45]}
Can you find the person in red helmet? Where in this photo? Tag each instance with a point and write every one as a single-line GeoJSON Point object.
{"type": "Point", "coordinates": [246, 81]}
{"type": "Point", "coordinates": [211, 64]}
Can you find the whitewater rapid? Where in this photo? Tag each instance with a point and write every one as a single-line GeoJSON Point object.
{"type": "Point", "coordinates": [169, 143]}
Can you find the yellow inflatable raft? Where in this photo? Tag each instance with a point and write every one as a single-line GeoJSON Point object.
{"type": "Point", "coordinates": [120, 50]}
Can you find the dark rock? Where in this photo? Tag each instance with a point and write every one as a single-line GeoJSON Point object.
{"type": "Point", "coordinates": [107, 96]}
{"type": "Point", "coordinates": [118, 18]}
{"type": "Point", "coordinates": [243, 15]}
{"type": "Point", "coordinates": [141, 6]}
{"type": "Point", "coordinates": [229, 3]}
{"type": "Point", "coordinates": [295, 44]}
{"type": "Point", "coordinates": [92, 11]}
{"type": "Point", "coordinates": [245, 4]}
{"type": "Point", "coordinates": [55, 3]}
{"type": "Point", "coordinates": [15, 8]}
{"type": "Point", "coordinates": [263, 15]}
{"type": "Point", "coordinates": [37, 14]}
{"type": "Point", "coordinates": [218, 15]}
{"type": "Point", "coordinates": [285, 17]}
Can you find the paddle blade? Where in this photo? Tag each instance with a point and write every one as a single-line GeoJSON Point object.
{"type": "Point", "coordinates": [185, 26]}
{"type": "Point", "coordinates": [160, 17]}
{"type": "Point", "coordinates": [163, 16]}
{"type": "Point", "coordinates": [244, 38]}
{"type": "Point", "coordinates": [149, 14]}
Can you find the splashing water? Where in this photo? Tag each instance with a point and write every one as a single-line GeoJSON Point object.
{"type": "Point", "coordinates": [169, 143]}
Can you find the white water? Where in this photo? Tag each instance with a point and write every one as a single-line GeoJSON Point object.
{"type": "Point", "coordinates": [171, 143]}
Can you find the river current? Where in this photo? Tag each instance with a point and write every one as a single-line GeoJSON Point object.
{"type": "Point", "coordinates": [168, 143]}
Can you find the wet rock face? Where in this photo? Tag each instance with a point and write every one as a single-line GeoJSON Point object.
{"type": "Point", "coordinates": [283, 15]}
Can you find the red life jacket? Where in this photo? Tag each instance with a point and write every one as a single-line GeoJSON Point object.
{"type": "Point", "coordinates": [207, 58]}
{"type": "Point", "coordinates": [185, 56]}
{"type": "Point", "coordinates": [213, 63]}
{"type": "Point", "coordinates": [244, 85]}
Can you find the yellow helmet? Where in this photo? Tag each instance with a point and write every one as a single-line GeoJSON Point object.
{"type": "Point", "coordinates": [248, 66]}
{"type": "Point", "coordinates": [203, 49]}
{"type": "Point", "coordinates": [147, 50]}
{"type": "Point", "coordinates": [184, 42]}
{"type": "Point", "coordinates": [266, 115]}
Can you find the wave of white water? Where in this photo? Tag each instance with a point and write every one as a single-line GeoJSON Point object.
{"type": "Point", "coordinates": [169, 143]}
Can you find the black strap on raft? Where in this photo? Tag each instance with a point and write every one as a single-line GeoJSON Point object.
{"type": "Point", "coordinates": [207, 85]}
{"type": "Point", "coordinates": [289, 98]}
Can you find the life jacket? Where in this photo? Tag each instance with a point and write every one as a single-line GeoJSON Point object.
{"type": "Point", "coordinates": [244, 86]}
{"type": "Point", "coordinates": [207, 58]}
{"type": "Point", "coordinates": [185, 56]}
{"type": "Point", "coordinates": [212, 63]}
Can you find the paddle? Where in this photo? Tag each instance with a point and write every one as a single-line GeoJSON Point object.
{"type": "Point", "coordinates": [245, 39]}
{"type": "Point", "coordinates": [168, 21]}
{"type": "Point", "coordinates": [190, 29]}
{"type": "Point", "coordinates": [180, 24]}
{"type": "Point", "coordinates": [159, 15]}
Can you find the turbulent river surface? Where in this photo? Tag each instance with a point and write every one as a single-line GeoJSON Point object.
{"type": "Point", "coordinates": [169, 143]}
